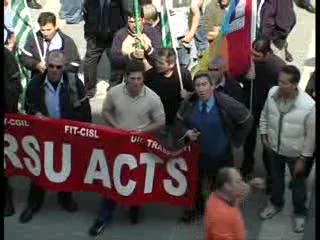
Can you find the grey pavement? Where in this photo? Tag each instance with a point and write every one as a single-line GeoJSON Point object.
{"type": "Point", "coordinates": [158, 222]}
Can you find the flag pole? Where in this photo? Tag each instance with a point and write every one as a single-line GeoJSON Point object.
{"type": "Point", "coordinates": [34, 34]}
{"type": "Point", "coordinates": [173, 45]}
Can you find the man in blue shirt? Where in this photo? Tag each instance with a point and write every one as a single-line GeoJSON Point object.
{"type": "Point", "coordinates": [49, 95]}
{"type": "Point", "coordinates": [217, 121]}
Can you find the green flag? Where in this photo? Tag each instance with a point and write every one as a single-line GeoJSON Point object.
{"type": "Point", "coordinates": [166, 34]}
{"type": "Point", "coordinates": [22, 29]}
{"type": "Point", "coordinates": [137, 15]}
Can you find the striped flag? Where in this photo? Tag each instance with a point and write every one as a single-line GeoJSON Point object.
{"type": "Point", "coordinates": [166, 34]}
{"type": "Point", "coordinates": [21, 21]}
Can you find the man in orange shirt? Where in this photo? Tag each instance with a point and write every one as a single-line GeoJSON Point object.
{"type": "Point", "coordinates": [223, 219]}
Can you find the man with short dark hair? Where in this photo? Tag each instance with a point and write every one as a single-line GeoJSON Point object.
{"type": "Point", "coordinates": [50, 95]}
{"type": "Point", "coordinates": [217, 121]}
{"type": "Point", "coordinates": [164, 80]}
{"type": "Point", "coordinates": [287, 128]}
{"type": "Point", "coordinates": [125, 47]}
{"type": "Point", "coordinates": [129, 106]}
{"type": "Point", "coordinates": [49, 38]}
{"type": "Point", "coordinates": [266, 68]}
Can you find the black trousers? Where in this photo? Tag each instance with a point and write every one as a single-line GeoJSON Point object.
{"type": "Point", "coordinates": [37, 195]}
{"type": "Point", "coordinates": [299, 191]}
{"type": "Point", "coordinates": [95, 49]}
{"type": "Point", "coordinates": [210, 173]}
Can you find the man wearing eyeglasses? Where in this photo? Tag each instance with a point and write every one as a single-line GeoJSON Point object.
{"type": "Point", "coordinates": [50, 96]}
{"type": "Point", "coordinates": [223, 81]}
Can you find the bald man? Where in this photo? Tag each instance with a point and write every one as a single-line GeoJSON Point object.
{"type": "Point", "coordinates": [223, 218]}
{"type": "Point", "coordinates": [224, 82]}
{"type": "Point", "coordinates": [49, 94]}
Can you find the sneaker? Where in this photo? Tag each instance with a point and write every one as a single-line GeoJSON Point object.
{"type": "Point", "coordinates": [97, 227]}
{"type": "Point", "coordinates": [299, 224]}
{"type": "Point", "coordinates": [269, 212]}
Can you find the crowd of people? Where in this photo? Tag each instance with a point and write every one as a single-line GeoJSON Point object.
{"type": "Point", "coordinates": [151, 89]}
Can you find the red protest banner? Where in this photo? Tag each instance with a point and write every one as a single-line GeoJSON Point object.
{"type": "Point", "coordinates": [131, 168]}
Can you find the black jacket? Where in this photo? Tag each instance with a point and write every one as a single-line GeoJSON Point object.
{"type": "Point", "coordinates": [35, 99]}
{"type": "Point", "coordinates": [232, 88]}
{"type": "Point", "coordinates": [168, 89]}
{"type": "Point", "coordinates": [277, 20]}
{"type": "Point", "coordinates": [30, 56]}
{"type": "Point", "coordinates": [236, 118]}
{"type": "Point", "coordinates": [102, 22]}
{"type": "Point", "coordinates": [12, 84]}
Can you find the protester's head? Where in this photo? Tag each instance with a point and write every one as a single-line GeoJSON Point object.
{"type": "Point", "coordinates": [132, 21]}
{"type": "Point", "coordinates": [230, 182]}
{"type": "Point", "coordinates": [150, 14]}
{"type": "Point", "coordinates": [134, 77]}
{"type": "Point", "coordinates": [166, 60]}
{"type": "Point", "coordinates": [288, 80]}
{"type": "Point", "coordinates": [204, 85]}
{"type": "Point", "coordinates": [217, 68]}
{"type": "Point", "coordinates": [55, 65]}
{"type": "Point", "coordinates": [261, 49]}
{"type": "Point", "coordinates": [48, 25]}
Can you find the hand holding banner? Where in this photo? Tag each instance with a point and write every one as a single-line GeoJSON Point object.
{"type": "Point", "coordinates": [131, 168]}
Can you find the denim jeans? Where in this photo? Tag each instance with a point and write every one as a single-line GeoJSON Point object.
{"type": "Point", "coordinates": [183, 54]}
{"type": "Point", "coordinates": [71, 11]}
{"type": "Point", "coordinates": [299, 191]}
{"type": "Point", "coordinates": [201, 39]}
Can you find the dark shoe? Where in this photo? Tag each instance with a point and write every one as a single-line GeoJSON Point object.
{"type": "Point", "coordinates": [68, 204]}
{"type": "Point", "coordinates": [8, 207]}
{"type": "Point", "coordinates": [97, 228]}
{"type": "Point", "coordinates": [33, 4]}
{"type": "Point", "coordinates": [309, 8]}
{"type": "Point", "coordinates": [134, 215]}
{"type": "Point", "coordinates": [188, 216]}
{"type": "Point", "coordinates": [288, 55]}
{"type": "Point", "coordinates": [27, 214]}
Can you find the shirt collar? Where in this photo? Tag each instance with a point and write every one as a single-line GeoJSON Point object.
{"type": "Point", "coordinates": [210, 103]}
{"type": "Point", "coordinates": [222, 83]}
{"type": "Point", "coordinates": [48, 84]}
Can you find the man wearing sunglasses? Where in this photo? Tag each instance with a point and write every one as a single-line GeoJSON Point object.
{"type": "Point", "coordinates": [223, 81]}
{"type": "Point", "coordinates": [50, 96]}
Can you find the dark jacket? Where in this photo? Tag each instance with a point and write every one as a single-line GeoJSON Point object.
{"type": "Point", "coordinates": [169, 89]}
{"type": "Point", "coordinates": [232, 88]}
{"type": "Point", "coordinates": [266, 77]}
{"type": "Point", "coordinates": [277, 20]}
{"type": "Point", "coordinates": [12, 84]}
{"type": "Point", "coordinates": [236, 118]}
{"type": "Point", "coordinates": [30, 56]}
{"type": "Point", "coordinates": [35, 99]}
{"type": "Point", "coordinates": [102, 22]}
{"type": "Point", "coordinates": [119, 60]}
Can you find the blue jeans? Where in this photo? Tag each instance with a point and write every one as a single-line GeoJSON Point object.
{"type": "Point", "coordinates": [201, 39]}
{"type": "Point", "coordinates": [71, 11]}
{"type": "Point", "coordinates": [183, 54]}
{"type": "Point", "coordinates": [299, 191]}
